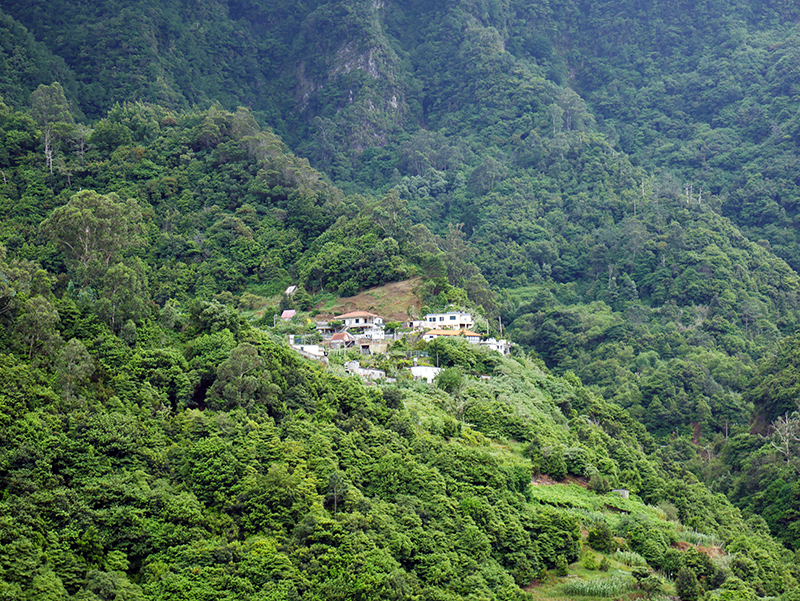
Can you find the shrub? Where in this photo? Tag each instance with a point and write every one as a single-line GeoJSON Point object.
{"type": "Point", "coordinates": [554, 465]}
{"type": "Point", "coordinates": [629, 558]}
{"type": "Point", "coordinates": [450, 379]}
{"type": "Point", "coordinates": [686, 585]}
{"type": "Point", "coordinates": [599, 483]}
{"type": "Point", "coordinates": [561, 566]}
{"type": "Point", "coordinates": [651, 585]}
{"type": "Point", "coordinates": [672, 562]}
{"type": "Point", "coordinates": [577, 460]}
{"type": "Point", "coordinates": [600, 538]}
{"type": "Point", "coordinates": [639, 573]}
{"type": "Point", "coordinates": [653, 550]}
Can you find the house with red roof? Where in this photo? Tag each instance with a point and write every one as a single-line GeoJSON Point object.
{"type": "Point", "coordinates": [342, 340]}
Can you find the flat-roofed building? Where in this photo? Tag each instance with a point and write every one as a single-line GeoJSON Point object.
{"type": "Point", "coordinates": [452, 320]}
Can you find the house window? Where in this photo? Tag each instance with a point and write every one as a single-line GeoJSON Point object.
{"type": "Point", "coordinates": [356, 320]}
{"type": "Point", "coordinates": [441, 318]}
{"type": "Point", "coordinates": [432, 319]}
{"type": "Point", "coordinates": [452, 318]}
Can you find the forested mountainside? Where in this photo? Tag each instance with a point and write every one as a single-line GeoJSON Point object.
{"type": "Point", "coordinates": [611, 184]}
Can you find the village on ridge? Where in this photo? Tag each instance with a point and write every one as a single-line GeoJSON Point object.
{"type": "Point", "coordinates": [365, 332]}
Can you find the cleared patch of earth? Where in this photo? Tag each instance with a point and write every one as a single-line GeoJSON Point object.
{"type": "Point", "coordinates": [545, 480]}
{"type": "Point", "coordinates": [397, 301]}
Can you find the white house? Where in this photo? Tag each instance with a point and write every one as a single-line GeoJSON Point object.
{"type": "Point", "coordinates": [354, 368]}
{"type": "Point", "coordinates": [424, 372]}
{"type": "Point", "coordinates": [362, 324]}
{"type": "Point", "coordinates": [501, 346]}
{"type": "Point", "coordinates": [359, 319]}
{"type": "Point", "coordinates": [453, 320]}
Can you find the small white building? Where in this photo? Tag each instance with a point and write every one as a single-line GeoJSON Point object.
{"type": "Point", "coordinates": [501, 346]}
{"type": "Point", "coordinates": [452, 320]}
{"type": "Point", "coordinates": [309, 351]}
{"type": "Point", "coordinates": [424, 372]}
{"type": "Point", "coordinates": [354, 368]}
{"type": "Point", "coordinates": [359, 324]}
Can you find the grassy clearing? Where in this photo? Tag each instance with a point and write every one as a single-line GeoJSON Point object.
{"type": "Point", "coordinates": [325, 301]}
{"type": "Point", "coordinates": [272, 290]}
{"type": "Point", "coordinates": [392, 301]}
{"type": "Point", "coordinates": [613, 586]}
{"type": "Point", "coordinates": [629, 558]}
{"type": "Point", "coordinates": [586, 585]}
{"type": "Point", "coordinates": [574, 496]}
{"type": "Point", "coordinates": [698, 538]}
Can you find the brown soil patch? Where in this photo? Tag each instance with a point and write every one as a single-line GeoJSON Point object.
{"type": "Point", "coordinates": [712, 552]}
{"type": "Point", "coordinates": [545, 480]}
{"type": "Point", "coordinates": [578, 480]}
{"type": "Point", "coordinates": [393, 301]}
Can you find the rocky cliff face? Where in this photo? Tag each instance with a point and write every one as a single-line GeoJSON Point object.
{"type": "Point", "coordinates": [347, 84]}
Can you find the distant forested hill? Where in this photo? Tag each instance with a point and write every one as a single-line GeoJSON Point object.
{"type": "Point", "coordinates": [373, 91]}
{"type": "Point", "coordinates": [480, 93]}
{"type": "Point", "coordinates": [26, 63]}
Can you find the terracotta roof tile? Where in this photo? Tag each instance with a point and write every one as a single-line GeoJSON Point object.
{"type": "Point", "coordinates": [356, 314]}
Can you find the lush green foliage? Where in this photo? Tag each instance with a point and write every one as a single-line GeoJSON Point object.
{"type": "Point", "coordinates": [611, 182]}
{"type": "Point", "coordinates": [599, 587]}
{"type": "Point", "coordinates": [197, 456]}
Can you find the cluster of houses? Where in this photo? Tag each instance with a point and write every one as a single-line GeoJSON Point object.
{"type": "Point", "coordinates": [357, 329]}
{"type": "Point", "coordinates": [366, 332]}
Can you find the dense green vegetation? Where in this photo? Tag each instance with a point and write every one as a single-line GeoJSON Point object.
{"type": "Point", "coordinates": [613, 183]}
{"type": "Point", "coordinates": [296, 482]}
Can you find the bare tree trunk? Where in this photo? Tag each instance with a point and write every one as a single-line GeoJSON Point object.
{"type": "Point", "coordinates": [48, 147]}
